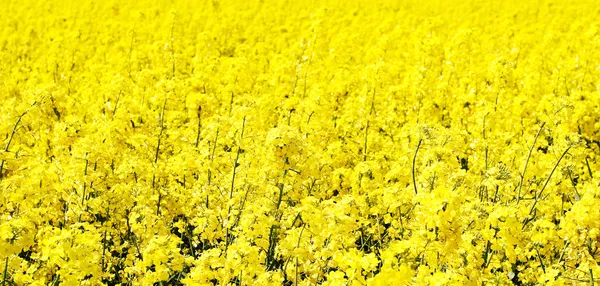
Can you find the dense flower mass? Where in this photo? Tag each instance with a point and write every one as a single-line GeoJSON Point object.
{"type": "Point", "coordinates": [273, 142]}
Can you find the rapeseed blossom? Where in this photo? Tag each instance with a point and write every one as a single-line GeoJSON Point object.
{"type": "Point", "coordinates": [270, 142]}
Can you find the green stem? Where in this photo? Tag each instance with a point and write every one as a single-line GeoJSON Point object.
{"type": "Point", "coordinates": [413, 165]}
{"type": "Point", "coordinates": [588, 166]}
{"type": "Point", "coordinates": [527, 162]}
{"type": "Point", "coordinates": [103, 250]}
{"type": "Point", "coordinates": [212, 158]}
{"type": "Point", "coordinates": [539, 195]}
{"type": "Point", "coordinates": [235, 165]}
{"type": "Point", "coordinates": [5, 271]}
{"type": "Point", "coordinates": [199, 126]}
{"type": "Point", "coordinates": [12, 134]}
{"type": "Point", "coordinates": [540, 259]}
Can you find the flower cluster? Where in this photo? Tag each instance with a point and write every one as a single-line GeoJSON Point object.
{"type": "Point", "coordinates": [270, 142]}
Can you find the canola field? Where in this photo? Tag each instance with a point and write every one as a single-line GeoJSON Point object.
{"type": "Point", "coordinates": [280, 142]}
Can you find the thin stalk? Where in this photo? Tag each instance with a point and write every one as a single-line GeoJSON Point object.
{"type": "Point", "coordinates": [562, 253]}
{"type": "Point", "coordinates": [1, 169]}
{"type": "Point", "coordinates": [199, 126]}
{"type": "Point", "coordinates": [280, 186]}
{"type": "Point", "coordinates": [103, 250]}
{"type": "Point", "coordinates": [486, 147]}
{"type": "Point", "coordinates": [235, 163]}
{"type": "Point", "coordinates": [233, 173]}
{"type": "Point", "coordinates": [12, 134]}
{"type": "Point", "coordinates": [158, 203]}
{"type": "Point", "coordinates": [573, 182]}
{"type": "Point", "coordinates": [162, 129]}
{"type": "Point", "coordinates": [5, 271]}
{"type": "Point", "coordinates": [413, 165]}
{"type": "Point", "coordinates": [273, 230]}
{"type": "Point", "coordinates": [366, 139]}
{"type": "Point", "coordinates": [14, 130]}
{"type": "Point", "coordinates": [297, 246]}
{"type": "Point", "coordinates": [527, 162]}
{"type": "Point", "coordinates": [540, 259]}
{"type": "Point", "coordinates": [296, 280]}
{"type": "Point", "coordinates": [231, 103]}
{"type": "Point", "coordinates": [587, 162]}
{"type": "Point", "coordinates": [539, 195]}
{"type": "Point", "coordinates": [212, 157]}
{"type": "Point", "coordinates": [237, 219]}
{"type": "Point", "coordinates": [86, 164]}
{"type": "Point", "coordinates": [117, 104]}
{"type": "Point", "coordinates": [371, 111]}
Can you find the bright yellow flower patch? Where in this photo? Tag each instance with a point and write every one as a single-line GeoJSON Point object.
{"type": "Point", "coordinates": [271, 142]}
